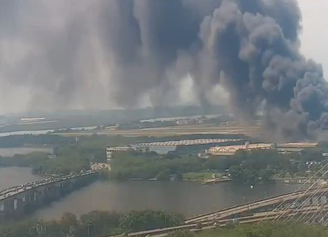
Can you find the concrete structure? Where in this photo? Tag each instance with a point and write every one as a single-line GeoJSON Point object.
{"type": "Point", "coordinates": [282, 148]}
{"type": "Point", "coordinates": [294, 147]}
{"type": "Point", "coordinates": [188, 142]}
{"type": "Point", "coordinates": [17, 201]}
{"type": "Point", "coordinates": [262, 210]}
{"type": "Point", "coordinates": [111, 150]}
{"type": "Point", "coordinates": [231, 150]}
{"type": "Point", "coordinates": [313, 197]}
{"type": "Point", "coordinates": [171, 145]}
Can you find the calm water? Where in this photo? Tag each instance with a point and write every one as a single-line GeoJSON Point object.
{"type": "Point", "coordinates": [14, 176]}
{"type": "Point", "coordinates": [187, 198]}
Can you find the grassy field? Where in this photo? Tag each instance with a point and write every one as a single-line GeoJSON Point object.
{"type": "Point", "coordinates": [179, 130]}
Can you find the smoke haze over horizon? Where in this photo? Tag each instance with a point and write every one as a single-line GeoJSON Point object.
{"type": "Point", "coordinates": [129, 53]}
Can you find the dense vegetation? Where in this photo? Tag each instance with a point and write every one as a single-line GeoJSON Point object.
{"type": "Point", "coordinates": [27, 160]}
{"type": "Point", "coordinates": [63, 164]}
{"type": "Point", "coordinates": [137, 165]}
{"type": "Point", "coordinates": [250, 167]}
{"type": "Point", "coordinates": [263, 230]}
{"type": "Point", "coordinates": [93, 224]}
{"type": "Point", "coordinates": [73, 156]}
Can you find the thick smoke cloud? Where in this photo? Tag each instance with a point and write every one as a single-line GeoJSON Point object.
{"type": "Point", "coordinates": [123, 51]}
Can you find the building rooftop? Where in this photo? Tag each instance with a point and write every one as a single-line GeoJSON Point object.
{"type": "Point", "coordinates": [230, 150]}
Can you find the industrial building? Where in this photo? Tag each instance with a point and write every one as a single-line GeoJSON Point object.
{"type": "Point", "coordinates": [282, 148]}
{"type": "Point", "coordinates": [294, 147]}
{"type": "Point", "coordinates": [231, 150]}
{"type": "Point", "coordinates": [111, 150]}
{"type": "Point", "coordinates": [189, 142]}
{"type": "Point", "coordinates": [187, 146]}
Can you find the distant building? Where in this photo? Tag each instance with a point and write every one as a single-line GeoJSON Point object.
{"type": "Point", "coordinates": [294, 147]}
{"type": "Point", "coordinates": [231, 150]}
{"type": "Point", "coordinates": [27, 120]}
{"type": "Point", "coordinates": [281, 148]}
{"type": "Point", "coordinates": [185, 122]}
{"type": "Point", "coordinates": [111, 150]}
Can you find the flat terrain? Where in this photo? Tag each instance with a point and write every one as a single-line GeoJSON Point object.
{"type": "Point", "coordinates": [236, 128]}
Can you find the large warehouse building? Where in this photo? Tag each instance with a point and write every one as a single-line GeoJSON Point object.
{"type": "Point", "coordinates": [282, 148]}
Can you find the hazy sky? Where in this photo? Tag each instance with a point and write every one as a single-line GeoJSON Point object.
{"type": "Point", "coordinates": [15, 96]}
{"type": "Point", "coordinates": [315, 33]}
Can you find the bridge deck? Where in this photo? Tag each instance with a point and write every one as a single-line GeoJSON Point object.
{"type": "Point", "coordinates": [8, 193]}
{"type": "Point", "coordinates": [255, 205]}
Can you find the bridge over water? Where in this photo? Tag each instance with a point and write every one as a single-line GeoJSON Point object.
{"type": "Point", "coordinates": [23, 199]}
{"type": "Point", "coordinates": [308, 206]}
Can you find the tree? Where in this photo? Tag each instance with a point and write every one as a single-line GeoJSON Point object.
{"type": "Point", "coordinates": [163, 175]}
{"type": "Point", "coordinates": [68, 223]}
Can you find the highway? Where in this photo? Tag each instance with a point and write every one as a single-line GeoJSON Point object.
{"type": "Point", "coordinates": [251, 206]}
{"type": "Point", "coordinates": [255, 218]}
{"type": "Point", "coordinates": [7, 193]}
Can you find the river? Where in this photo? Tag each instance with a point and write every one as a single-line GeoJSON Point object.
{"type": "Point", "coordinates": [189, 199]}
{"type": "Point", "coordinates": [13, 176]}
{"type": "Point", "coordinates": [186, 198]}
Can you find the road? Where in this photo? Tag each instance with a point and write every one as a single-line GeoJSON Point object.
{"type": "Point", "coordinates": [6, 193]}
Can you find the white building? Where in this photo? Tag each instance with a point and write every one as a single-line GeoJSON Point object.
{"type": "Point", "coordinates": [111, 150]}
{"type": "Point", "coordinates": [231, 150]}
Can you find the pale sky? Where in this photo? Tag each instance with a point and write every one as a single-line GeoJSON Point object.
{"type": "Point", "coordinates": [314, 38]}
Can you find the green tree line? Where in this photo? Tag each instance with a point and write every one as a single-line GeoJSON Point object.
{"type": "Point", "coordinates": [262, 230]}
{"type": "Point", "coordinates": [93, 224]}
{"type": "Point", "coordinates": [244, 166]}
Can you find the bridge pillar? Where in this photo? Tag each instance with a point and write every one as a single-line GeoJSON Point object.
{"type": "Point", "coordinates": [9, 205]}
{"type": "Point", "coordinates": [53, 192]}
{"type": "Point", "coordinates": [65, 188]}
{"type": "Point", "coordinates": [38, 197]}
{"type": "Point", "coordinates": [2, 211]}
{"type": "Point", "coordinates": [9, 208]}
{"type": "Point", "coordinates": [18, 203]}
{"type": "Point", "coordinates": [19, 208]}
{"type": "Point", "coordinates": [46, 194]}
{"type": "Point", "coordinates": [28, 200]}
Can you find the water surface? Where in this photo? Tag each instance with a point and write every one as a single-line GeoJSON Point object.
{"type": "Point", "coordinates": [13, 176]}
{"type": "Point", "coordinates": [186, 198]}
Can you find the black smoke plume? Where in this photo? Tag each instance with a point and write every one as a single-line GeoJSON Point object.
{"type": "Point", "coordinates": [145, 47]}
